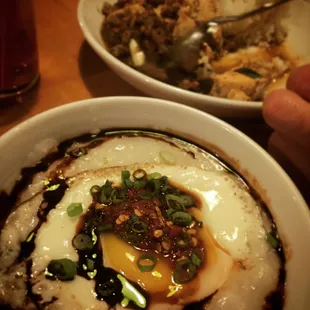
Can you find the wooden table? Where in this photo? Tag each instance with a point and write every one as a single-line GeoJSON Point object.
{"type": "Point", "coordinates": [71, 71]}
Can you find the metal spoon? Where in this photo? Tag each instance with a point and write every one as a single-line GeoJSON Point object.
{"type": "Point", "coordinates": [185, 51]}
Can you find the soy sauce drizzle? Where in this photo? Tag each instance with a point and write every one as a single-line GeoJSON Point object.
{"type": "Point", "coordinates": [50, 200]}
{"type": "Point", "coordinates": [275, 300]}
{"type": "Point", "coordinates": [108, 287]}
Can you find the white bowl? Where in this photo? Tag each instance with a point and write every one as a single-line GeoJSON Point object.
{"type": "Point", "coordinates": [21, 147]}
{"type": "Point", "coordinates": [90, 19]}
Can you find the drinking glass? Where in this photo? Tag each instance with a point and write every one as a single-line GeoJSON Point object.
{"type": "Point", "coordinates": [18, 47]}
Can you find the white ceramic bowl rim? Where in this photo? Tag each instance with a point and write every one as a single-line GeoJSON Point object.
{"type": "Point", "coordinates": [73, 119]}
{"type": "Point", "coordinates": [172, 89]}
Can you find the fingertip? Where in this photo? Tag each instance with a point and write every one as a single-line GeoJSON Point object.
{"type": "Point", "coordinates": [286, 112]}
{"type": "Point", "coordinates": [299, 81]}
{"type": "Point", "coordinates": [273, 103]}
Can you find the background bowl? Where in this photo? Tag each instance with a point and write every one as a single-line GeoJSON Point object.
{"type": "Point", "coordinates": [25, 144]}
{"type": "Point", "coordinates": [298, 23]}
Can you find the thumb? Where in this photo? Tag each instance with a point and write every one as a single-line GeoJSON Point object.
{"type": "Point", "coordinates": [299, 81]}
{"type": "Point", "coordinates": [288, 114]}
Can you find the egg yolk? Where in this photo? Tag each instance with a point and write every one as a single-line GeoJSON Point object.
{"type": "Point", "coordinates": [123, 258]}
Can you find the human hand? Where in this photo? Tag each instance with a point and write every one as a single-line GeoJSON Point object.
{"type": "Point", "coordinates": [288, 113]}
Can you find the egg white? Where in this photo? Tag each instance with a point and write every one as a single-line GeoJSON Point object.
{"type": "Point", "coordinates": [228, 211]}
{"type": "Point", "coordinates": [124, 150]}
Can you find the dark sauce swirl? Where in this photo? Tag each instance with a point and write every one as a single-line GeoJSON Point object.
{"type": "Point", "coordinates": [275, 300]}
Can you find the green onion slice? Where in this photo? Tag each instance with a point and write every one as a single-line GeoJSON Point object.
{"type": "Point", "coordinates": [125, 174]}
{"type": "Point", "coordinates": [75, 209]}
{"type": "Point", "coordinates": [181, 218]}
{"type": "Point", "coordinates": [30, 237]}
{"type": "Point", "coordinates": [118, 195]}
{"type": "Point", "coordinates": [94, 237]}
{"type": "Point", "coordinates": [153, 176]}
{"type": "Point", "coordinates": [167, 157]}
{"type": "Point", "coordinates": [272, 240]}
{"type": "Point", "coordinates": [63, 269]}
{"type": "Point", "coordinates": [139, 227]}
{"type": "Point", "coordinates": [140, 183]}
{"type": "Point", "coordinates": [131, 293]}
{"type": "Point", "coordinates": [106, 193]}
{"type": "Point", "coordinates": [92, 274]}
{"type": "Point", "coordinates": [95, 190]}
{"type": "Point", "coordinates": [125, 302]}
{"type": "Point", "coordinates": [174, 202]}
{"type": "Point", "coordinates": [187, 201]}
{"type": "Point", "coordinates": [249, 72]}
{"type": "Point", "coordinates": [146, 262]}
{"type": "Point", "coordinates": [169, 212]}
{"type": "Point", "coordinates": [196, 260]}
{"type": "Point", "coordinates": [184, 271]}
{"type": "Point", "coordinates": [82, 242]}
{"type": "Point", "coordinates": [156, 184]}
{"type": "Point", "coordinates": [126, 179]}
{"type": "Point", "coordinates": [139, 174]}
{"type": "Point", "coordinates": [128, 183]}
{"type": "Point", "coordinates": [52, 188]}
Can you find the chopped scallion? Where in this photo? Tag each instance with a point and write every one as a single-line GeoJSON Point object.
{"type": "Point", "coordinates": [128, 183]}
{"type": "Point", "coordinates": [95, 190]}
{"type": "Point", "coordinates": [82, 242]}
{"type": "Point", "coordinates": [92, 274]}
{"type": "Point", "coordinates": [125, 174]}
{"type": "Point", "coordinates": [154, 176]}
{"type": "Point", "coordinates": [181, 218]}
{"type": "Point", "coordinates": [196, 260]}
{"type": "Point", "coordinates": [139, 174]}
{"type": "Point", "coordinates": [30, 237]}
{"type": "Point", "coordinates": [249, 72]}
{"type": "Point", "coordinates": [184, 271]}
{"type": "Point", "coordinates": [139, 227]}
{"type": "Point", "coordinates": [52, 188]}
{"type": "Point", "coordinates": [75, 209]}
{"type": "Point", "coordinates": [131, 293]}
{"type": "Point", "coordinates": [174, 202]}
{"type": "Point", "coordinates": [146, 263]}
{"type": "Point", "coordinates": [63, 269]}
{"type": "Point", "coordinates": [94, 237]}
{"type": "Point", "coordinates": [187, 201]}
{"type": "Point", "coordinates": [140, 183]}
{"type": "Point", "coordinates": [272, 240]}
{"type": "Point", "coordinates": [167, 157]}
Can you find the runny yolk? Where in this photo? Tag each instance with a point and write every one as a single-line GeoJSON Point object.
{"type": "Point", "coordinates": [123, 258]}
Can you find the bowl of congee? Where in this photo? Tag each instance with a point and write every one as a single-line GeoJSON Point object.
{"type": "Point", "coordinates": [118, 203]}
{"type": "Point", "coordinates": [228, 74]}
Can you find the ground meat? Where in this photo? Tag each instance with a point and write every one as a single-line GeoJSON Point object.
{"type": "Point", "coordinates": [171, 9]}
{"type": "Point", "coordinates": [154, 25]}
{"type": "Point", "coordinates": [119, 51]}
{"type": "Point", "coordinates": [139, 23]}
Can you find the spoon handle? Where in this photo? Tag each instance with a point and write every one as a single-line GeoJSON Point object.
{"type": "Point", "coordinates": [228, 19]}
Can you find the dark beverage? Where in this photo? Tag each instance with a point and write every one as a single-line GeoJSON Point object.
{"type": "Point", "coordinates": [18, 47]}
